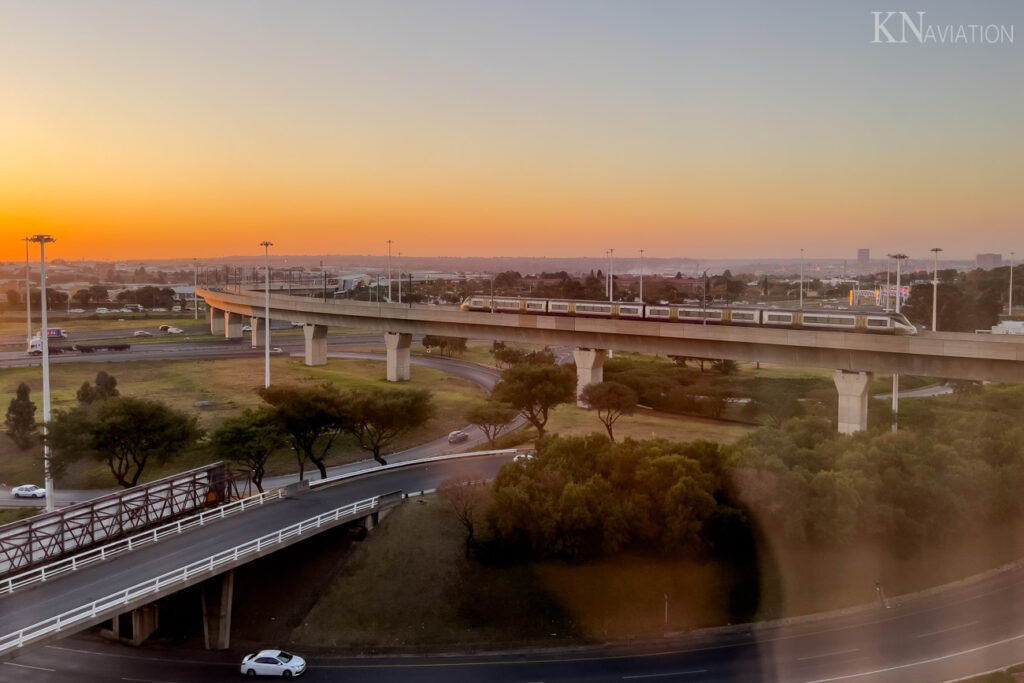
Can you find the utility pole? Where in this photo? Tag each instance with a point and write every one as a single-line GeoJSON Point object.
{"type": "Point", "coordinates": [801, 279]}
{"type": "Point", "coordinates": [935, 285]}
{"type": "Point", "coordinates": [641, 276]}
{"type": "Point", "coordinates": [195, 285]}
{"type": "Point", "coordinates": [1009, 307]}
{"type": "Point", "coordinates": [895, 375]}
{"type": "Point", "coordinates": [266, 311]}
{"type": "Point", "coordinates": [399, 277]}
{"type": "Point", "coordinates": [611, 275]}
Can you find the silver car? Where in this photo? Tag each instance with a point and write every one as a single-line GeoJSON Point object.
{"type": "Point", "coordinates": [273, 663]}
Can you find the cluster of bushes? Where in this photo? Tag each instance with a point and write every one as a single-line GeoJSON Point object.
{"type": "Point", "coordinates": [583, 497]}
{"type": "Point", "coordinates": [922, 485]}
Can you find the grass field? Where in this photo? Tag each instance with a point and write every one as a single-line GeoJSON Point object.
{"type": "Point", "coordinates": [569, 420]}
{"type": "Point", "coordinates": [231, 387]}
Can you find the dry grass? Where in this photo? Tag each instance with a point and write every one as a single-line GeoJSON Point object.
{"type": "Point", "coordinates": [570, 420]}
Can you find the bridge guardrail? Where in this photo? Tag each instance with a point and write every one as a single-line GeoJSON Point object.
{"type": "Point", "coordinates": [104, 552]}
{"type": "Point", "coordinates": [181, 575]}
{"type": "Point", "coordinates": [419, 461]}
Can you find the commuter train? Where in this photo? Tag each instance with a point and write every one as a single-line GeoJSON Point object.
{"type": "Point", "coordinates": [809, 319]}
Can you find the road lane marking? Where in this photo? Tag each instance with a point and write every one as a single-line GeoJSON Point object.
{"type": "Point", "coordinates": [827, 654]}
{"type": "Point", "coordinates": [27, 666]}
{"type": "Point", "coordinates": [946, 630]}
{"type": "Point", "coordinates": [665, 675]}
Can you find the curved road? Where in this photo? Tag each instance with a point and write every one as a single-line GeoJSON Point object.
{"type": "Point", "coordinates": [944, 634]}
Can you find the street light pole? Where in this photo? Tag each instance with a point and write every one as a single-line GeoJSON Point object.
{"type": "Point", "coordinates": [935, 285]}
{"type": "Point", "coordinates": [888, 267]}
{"type": "Point", "coordinates": [195, 284]}
{"type": "Point", "coordinates": [895, 375]}
{"type": "Point", "coordinates": [641, 276]}
{"type": "Point", "coordinates": [899, 270]}
{"type": "Point", "coordinates": [42, 240]}
{"type": "Point", "coordinates": [1009, 307]}
{"type": "Point", "coordinates": [611, 275]}
{"type": "Point", "coordinates": [28, 298]}
{"type": "Point", "coordinates": [801, 279]}
{"type": "Point", "coordinates": [399, 277]}
{"type": "Point", "coordinates": [266, 311]}
{"type": "Point", "coordinates": [389, 271]}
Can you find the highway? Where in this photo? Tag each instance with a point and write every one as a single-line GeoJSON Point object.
{"type": "Point", "coordinates": [943, 634]}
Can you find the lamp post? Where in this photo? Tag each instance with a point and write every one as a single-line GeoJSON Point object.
{"type": "Point", "coordinates": [895, 375]}
{"type": "Point", "coordinates": [888, 266]}
{"type": "Point", "coordinates": [399, 277]}
{"type": "Point", "coordinates": [935, 285]}
{"type": "Point", "coordinates": [389, 271]}
{"type": "Point", "coordinates": [28, 298]}
{"type": "Point", "coordinates": [704, 296]}
{"type": "Point", "coordinates": [899, 270]}
{"type": "Point", "coordinates": [42, 240]}
{"type": "Point", "coordinates": [801, 279]}
{"type": "Point", "coordinates": [641, 276]}
{"type": "Point", "coordinates": [266, 311]}
{"type": "Point", "coordinates": [195, 285]}
{"type": "Point", "coordinates": [1009, 307]}
{"type": "Point", "coordinates": [611, 275]}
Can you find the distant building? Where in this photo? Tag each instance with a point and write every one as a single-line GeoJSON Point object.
{"type": "Point", "coordinates": [863, 260]}
{"type": "Point", "coordinates": [988, 261]}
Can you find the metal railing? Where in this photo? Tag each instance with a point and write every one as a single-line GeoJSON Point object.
{"type": "Point", "coordinates": [84, 559]}
{"type": "Point", "coordinates": [383, 468]}
{"type": "Point", "coordinates": [182, 575]}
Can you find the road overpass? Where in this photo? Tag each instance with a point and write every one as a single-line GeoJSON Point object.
{"type": "Point", "coordinates": [56, 606]}
{"type": "Point", "coordinates": [854, 357]}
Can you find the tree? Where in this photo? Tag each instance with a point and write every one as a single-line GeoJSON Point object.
{"type": "Point", "coordinates": [312, 417]}
{"type": "Point", "coordinates": [379, 416]}
{"type": "Point", "coordinates": [106, 387]}
{"type": "Point", "coordinates": [465, 499]}
{"type": "Point", "coordinates": [491, 417]}
{"type": "Point", "coordinates": [534, 388]}
{"type": "Point", "coordinates": [611, 400]}
{"type": "Point", "coordinates": [21, 418]}
{"type": "Point", "coordinates": [125, 432]}
{"type": "Point", "coordinates": [250, 439]}
{"type": "Point", "coordinates": [448, 346]}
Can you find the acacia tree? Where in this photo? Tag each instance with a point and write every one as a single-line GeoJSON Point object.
{"type": "Point", "coordinates": [379, 416]}
{"type": "Point", "coordinates": [534, 388]}
{"type": "Point", "coordinates": [125, 432]}
{"type": "Point", "coordinates": [312, 417]}
{"type": "Point", "coordinates": [465, 498]}
{"type": "Point", "coordinates": [611, 400]}
{"type": "Point", "coordinates": [250, 439]}
{"type": "Point", "coordinates": [491, 417]}
{"type": "Point", "coordinates": [21, 418]}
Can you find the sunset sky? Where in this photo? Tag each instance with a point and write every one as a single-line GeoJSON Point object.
{"type": "Point", "coordinates": [184, 128]}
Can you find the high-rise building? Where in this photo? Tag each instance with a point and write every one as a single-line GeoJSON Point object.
{"type": "Point", "coordinates": [988, 261]}
{"type": "Point", "coordinates": [863, 260]}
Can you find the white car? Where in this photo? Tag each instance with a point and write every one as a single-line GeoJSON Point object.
{"type": "Point", "coordinates": [273, 663]}
{"type": "Point", "coordinates": [246, 328]}
{"type": "Point", "coordinates": [174, 330]}
{"type": "Point", "coordinates": [28, 491]}
{"type": "Point", "coordinates": [522, 457]}
{"type": "Point", "coordinates": [458, 436]}
{"type": "Point", "coordinates": [141, 333]}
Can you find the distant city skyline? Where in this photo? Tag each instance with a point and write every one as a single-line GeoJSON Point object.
{"type": "Point", "coordinates": [458, 128]}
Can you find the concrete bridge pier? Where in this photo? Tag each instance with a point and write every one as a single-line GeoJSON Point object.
{"type": "Point", "coordinates": [589, 369]}
{"type": "Point", "coordinates": [853, 400]}
{"type": "Point", "coordinates": [232, 325]}
{"type": "Point", "coordinates": [316, 344]}
{"type": "Point", "coordinates": [397, 344]}
{"type": "Point", "coordinates": [217, 596]}
{"type": "Point", "coordinates": [216, 318]}
{"type": "Point", "coordinates": [257, 332]}
{"type": "Point", "coordinates": [136, 626]}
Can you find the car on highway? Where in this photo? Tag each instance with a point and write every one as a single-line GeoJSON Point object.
{"type": "Point", "coordinates": [458, 436]}
{"type": "Point", "coordinates": [28, 491]}
{"type": "Point", "coordinates": [174, 330]}
{"type": "Point", "coordinates": [273, 663]}
{"type": "Point", "coordinates": [141, 333]}
{"type": "Point", "coordinates": [76, 310]}
{"type": "Point", "coordinates": [246, 328]}
{"type": "Point", "coordinates": [522, 457]}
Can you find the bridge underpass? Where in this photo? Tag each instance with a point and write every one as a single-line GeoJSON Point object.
{"type": "Point", "coordinates": [854, 357]}
{"type": "Point", "coordinates": [89, 596]}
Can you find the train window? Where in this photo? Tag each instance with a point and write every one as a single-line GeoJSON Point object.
{"type": "Point", "coordinates": [840, 321]}
{"type": "Point", "coordinates": [689, 314]}
{"type": "Point", "coordinates": [820, 319]}
{"type": "Point", "coordinates": [657, 312]}
{"type": "Point", "coordinates": [780, 318]}
{"type": "Point", "coordinates": [629, 310]}
{"type": "Point", "coordinates": [742, 316]}
{"type": "Point", "coordinates": [590, 308]}
{"type": "Point", "coordinates": [535, 305]}
{"type": "Point", "coordinates": [878, 322]}
{"type": "Point", "coordinates": [558, 307]}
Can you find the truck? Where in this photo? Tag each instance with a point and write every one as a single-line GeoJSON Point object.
{"type": "Point", "coordinates": [35, 347]}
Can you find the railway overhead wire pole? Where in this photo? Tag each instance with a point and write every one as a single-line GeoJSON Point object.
{"type": "Point", "coordinates": [42, 240]}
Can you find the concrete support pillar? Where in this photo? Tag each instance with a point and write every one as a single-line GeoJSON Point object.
{"type": "Point", "coordinates": [216, 318]}
{"type": "Point", "coordinates": [316, 344]}
{"type": "Point", "coordinates": [217, 595]}
{"type": "Point", "coordinates": [589, 369]}
{"type": "Point", "coordinates": [257, 332]}
{"type": "Point", "coordinates": [853, 400]}
{"type": "Point", "coordinates": [397, 344]}
{"type": "Point", "coordinates": [136, 626]}
{"type": "Point", "coordinates": [232, 325]}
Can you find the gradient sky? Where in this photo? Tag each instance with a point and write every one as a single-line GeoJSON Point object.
{"type": "Point", "coordinates": [486, 127]}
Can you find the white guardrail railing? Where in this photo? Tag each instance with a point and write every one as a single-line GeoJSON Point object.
{"type": "Point", "coordinates": [440, 458]}
{"type": "Point", "coordinates": [105, 552]}
{"type": "Point", "coordinates": [97, 607]}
